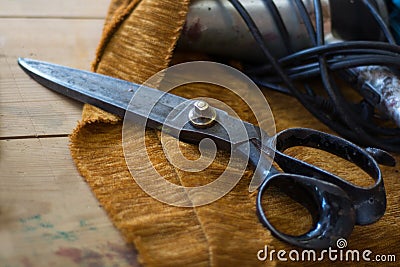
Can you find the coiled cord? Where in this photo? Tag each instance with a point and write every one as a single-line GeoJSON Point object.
{"type": "Point", "coordinates": [358, 122]}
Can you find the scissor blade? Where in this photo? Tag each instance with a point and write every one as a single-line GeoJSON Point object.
{"type": "Point", "coordinates": [115, 96]}
{"type": "Point", "coordinates": [148, 107]}
{"type": "Point", "coordinates": [110, 94]}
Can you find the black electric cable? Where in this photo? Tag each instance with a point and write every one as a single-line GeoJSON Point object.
{"type": "Point", "coordinates": [335, 49]}
{"type": "Point", "coordinates": [384, 28]}
{"type": "Point", "coordinates": [280, 25]}
{"type": "Point", "coordinates": [334, 94]}
{"type": "Point", "coordinates": [307, 21]}
{"type": "Point", "coordinates": [352, 120]}
{"type": "Point", "coordinates": [323, 117]}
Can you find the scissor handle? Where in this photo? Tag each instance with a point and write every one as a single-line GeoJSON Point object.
{"type": "Point", "coordinates": [331, 208]}
{"type": "Point", "coordinates": [336, 204]}
{"type": "Point", "coordinates": [369, 202]}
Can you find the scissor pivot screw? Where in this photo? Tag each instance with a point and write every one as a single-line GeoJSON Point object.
{"type": "Point", "coordinates": [202, 115]}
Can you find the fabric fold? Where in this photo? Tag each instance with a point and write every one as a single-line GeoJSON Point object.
{"type": "Point", "coordinates": [138, 41]}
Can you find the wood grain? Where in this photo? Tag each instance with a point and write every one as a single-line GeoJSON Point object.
{"type": "Point", "coordinates": [48, 215]}
{"type": "Point", "coordinates": [57, 8]}
{"type": "Point", "coordinates": [26, 107]}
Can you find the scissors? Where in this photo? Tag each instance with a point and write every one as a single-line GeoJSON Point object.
{"type": "Point", "coordinates": [335, 204]}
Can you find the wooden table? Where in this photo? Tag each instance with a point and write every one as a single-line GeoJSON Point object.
{"type": "Point", "coordinates": [48, 215]}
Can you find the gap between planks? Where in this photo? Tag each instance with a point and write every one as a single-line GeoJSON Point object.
{"type": "Point", "coordinates": [52, 17]}
{"type": "Point", "coordinates": [4, 138]}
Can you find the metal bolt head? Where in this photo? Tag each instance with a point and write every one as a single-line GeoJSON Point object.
{"type": "Point", "coordinates": [202, 115]}
{"type": "Point", "coordinates": [201, 106]}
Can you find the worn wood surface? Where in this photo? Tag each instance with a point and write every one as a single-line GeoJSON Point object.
{"type": "Point", "coordinates": [48, 215]}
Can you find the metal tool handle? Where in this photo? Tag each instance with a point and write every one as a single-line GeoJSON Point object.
{"type": "Point", "coordinates": [335, 204]}
{"type": "Point", "coordinates": [331, 208]}
{"type": "Point", "coordinates": [369, 202]}
{"type": "Point", "coordinates": [380, 87]}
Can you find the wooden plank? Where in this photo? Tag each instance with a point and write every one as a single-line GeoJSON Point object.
{"type": "Point", "coordinates": [55, 8]}
{"type": "Point", "coordinates": [26, 108]}
{"type": "Point", "coordinates": [48, 216]}
{"type": "Point", "coordinates": [69, 42]}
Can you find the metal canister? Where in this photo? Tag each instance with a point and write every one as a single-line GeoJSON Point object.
{"type": "Point", "coordinates": [215, 27]}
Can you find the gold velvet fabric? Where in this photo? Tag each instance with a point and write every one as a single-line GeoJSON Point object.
{"type": "Point", "coordinates": [138, 41]}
